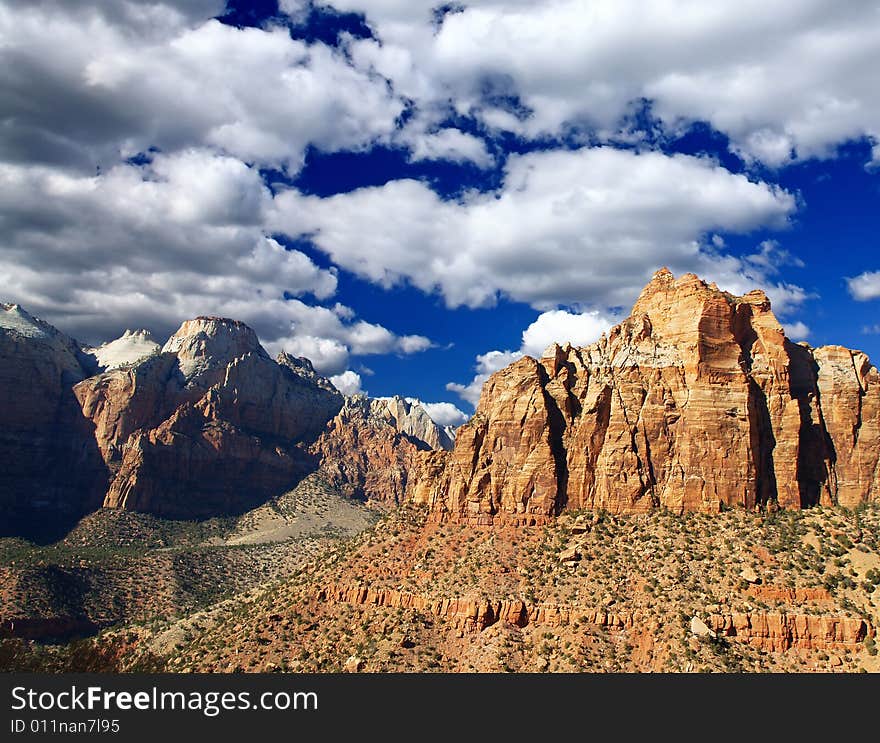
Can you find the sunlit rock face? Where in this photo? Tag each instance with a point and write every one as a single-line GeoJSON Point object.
{"type": "Point", "coordinates": [210, 425]}
{"type": "Point", "coordinates": [695, 402]}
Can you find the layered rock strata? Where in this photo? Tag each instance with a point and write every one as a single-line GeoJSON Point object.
{"type": "Point", "coordinates": [695, 402]}
{"type": "Point", "coordinates": [771, 631]}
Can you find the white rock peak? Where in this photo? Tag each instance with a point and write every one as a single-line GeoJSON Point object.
{"type": "Point", "coordinates": [13, 317]}
{"type": "Point", "coordinates": [206, 342]}
{"type": "Point", "coordinates": [132, 347]}
{"type": "Point", "coordinates": [410, 418]}
{"type": "Point", "coordinates": [18, 323]}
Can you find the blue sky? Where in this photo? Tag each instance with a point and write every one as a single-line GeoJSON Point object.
{"type": "Point", "coordinates": [412, 195]}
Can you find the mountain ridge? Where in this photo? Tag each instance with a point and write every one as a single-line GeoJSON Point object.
{"type": "Point", "coordinates": [205, 425]}
{"type": "Point", "coordinates": [696, 401]}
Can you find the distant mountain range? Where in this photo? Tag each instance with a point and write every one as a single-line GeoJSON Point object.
{"type": "Point", "coordinates": [697, 401]}
{"type": "Point", "coordinates": [206, 425]}
{"type": "Point", "coordinates": [171, 485]}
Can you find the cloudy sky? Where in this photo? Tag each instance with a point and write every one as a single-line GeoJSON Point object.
{"type": "Point", "coordinates": [413, 193]}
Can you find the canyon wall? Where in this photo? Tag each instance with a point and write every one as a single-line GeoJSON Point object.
{"type": "Point", "coordinates": [697, 401]}
{"type": "Point", "coordinates": [208, 426]}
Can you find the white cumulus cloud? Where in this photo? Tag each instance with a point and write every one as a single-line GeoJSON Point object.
{"type": "Point", "coordinates": [448, 144]}
{"type": "Point", "coordinates": [553, 326]}
{"type": "Point", "coordinates": [560, 326]}
{"type": "Point", "coordinates": [783, 80]}
{"type": "Point", "coordinates": [82, 85]}
{"type": "Point", "coordinates": [567, 227]}
{"type": "Point", "coordinates": [797, 330]}
{"type": "Point", "coordinates": [154, 244]}
{"type": "Point", "coordinates": [348, 383]}
{"type": "Point", "coordinates": [442, 413]}
{"type": "Point", "coordinates": [865, 286]}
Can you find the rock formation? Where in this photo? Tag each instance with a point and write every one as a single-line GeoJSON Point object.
{"type": "Point", "coordinates": [412, 420]}
{"type": "Point", "coordinates": [376, 449]}
{"type": "Point", "coordinates": [770, 631]}
{"type": "Point", "coordinates": [50, 470]}
{"type": "Point", "coordinates": [132, 347]}
{"type": "Point", "coordinates": [697, 401]}
{"type": "Point", "coordinates": [208, 426]}
{"type": "Point", "coordinates": [205, 425]}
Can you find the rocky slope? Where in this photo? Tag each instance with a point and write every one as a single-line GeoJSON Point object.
{"type": "Point", "coordinates": [792, 590]}
{"type": "Point", "coordinates": [695, 402]}
{"type": "Point", "coordinates": [378, 449]}
{"type": "Point", "coordinates": [118, 566]}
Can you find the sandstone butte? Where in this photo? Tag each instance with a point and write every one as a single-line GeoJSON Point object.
{"type": "Point", "coordinates": [695, 402]}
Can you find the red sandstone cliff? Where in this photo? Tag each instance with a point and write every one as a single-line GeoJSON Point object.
{"type": "Point", "coordinates": [772, 631]}
{"type": "Point", "coordinates": [208, 426]}
{"type": "Point", "coordinates": [695, 402]}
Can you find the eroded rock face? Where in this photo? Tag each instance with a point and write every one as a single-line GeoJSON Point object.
{"type": "Point", "coordinates": [208, 426]}
{"type": "Point", "coordinates": [378, 449]}
{"type": "Point", "coordinates": [697, 401]}
{"type": "Point", "coordinates": [771, 631]}
{"type": "Point", "coordinates": [50, 470]}
{"type": "Point", "coordinates": [849, 391]}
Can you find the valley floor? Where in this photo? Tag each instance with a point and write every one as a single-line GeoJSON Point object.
{"type": "Point", "coordinates": [321, 587]}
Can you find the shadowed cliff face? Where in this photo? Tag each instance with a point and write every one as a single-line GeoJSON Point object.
{"type": "Point", "coordinates": [51, 472]}
{"type": "Point", "coordinates": [697, 401]}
